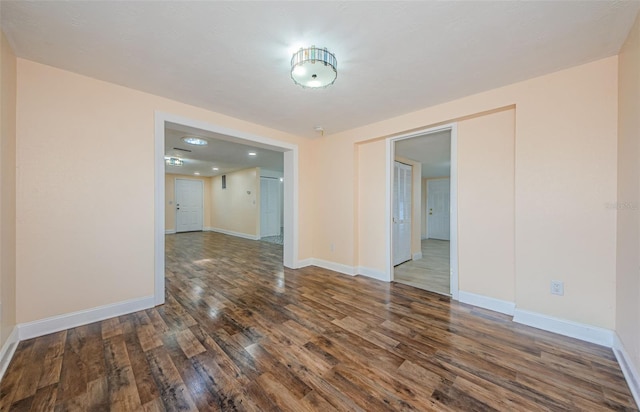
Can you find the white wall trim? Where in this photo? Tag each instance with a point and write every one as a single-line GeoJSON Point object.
{"type": "Point", "coordinates": [304, 263]}
{"type": "Point", "coordinates": [417, 256]}
{"type": "Point", "coordinates": [565, 327]}
{"type": "Point", "coordinates": [232, 233]}
{"type": "Point", "coordinates": [7, 351]}
{"type": "Point", "coordinates": [159, 207]}
{"type": "Point", "coordinates": [71, 320]}
{"type": "Point", "coordinates": [631, 374]}
{"type": "Point", "coordinates": [345, 269]}
{"type": "Point", "coordinates": [170, 232]}
{"type": "Point", "coordinates": [486, 302]}
{"type": "Point", "coordinates": [372, 273]}
{"type": "Point", "coordinates": [336, 267]}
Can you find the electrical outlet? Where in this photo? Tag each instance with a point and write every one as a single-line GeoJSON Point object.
{"type": "Point", "coordinates": [557, 287]}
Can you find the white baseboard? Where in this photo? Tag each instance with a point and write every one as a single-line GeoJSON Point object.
{"type": "Point", "coordinates": [344, 269]}
{"type": "Point", "coordinates": [565, 327]}
{"type": "Point", "coordinates": [373, 273]}
{"type": "Point", "coordinates": [170, 232]}
{"type": "Point", "coordinates": [486, 302]}
{"type": "Point", "coordinates": [7, 351]}
{"type": "Point", "coordinates": [417, 256]}
{"type": "Point", "coordinates": [232, 233]}
{"type": "Point", "coordinates": [304, 263]}
{"type": "Point", "coordinates": [71, 320]}
{"type": "Point", "coordinates": [631, 374]}
{"type": "Point", "coordinates": [336, 267]}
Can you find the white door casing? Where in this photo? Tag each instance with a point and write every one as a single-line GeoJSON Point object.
{"type": "Point", "coordinates": [189, 205]}
{"type": "Point", "coordinates": [270, 213]}
{"type": "Point", "coordinates": [390, 158]}
{"type": "Point", "coordinates": [438, 209]}
{"type": "Point", "coordinates": [402, 185]}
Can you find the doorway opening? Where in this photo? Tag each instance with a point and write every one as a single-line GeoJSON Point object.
{"type": "Point", "coordinates": [422, 199]}
{"type": "Point", "coordinates": [263, 158]}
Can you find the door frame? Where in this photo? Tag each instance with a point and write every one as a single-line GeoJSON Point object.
{"type": "Point", "coordinates": [453, 223]}
{"type": "Point", "coordinates": [290, 187]}
{"type": "Point", "coordinates": [175, 191]}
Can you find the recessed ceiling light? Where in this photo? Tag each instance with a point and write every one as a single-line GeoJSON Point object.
{"type": "Point", "coordinates": [195, 140]}
{"type": "Point", "coordinates": [253, 154]}
{"type": "Point", "coordinates": [196, 173]}
{"type": "Point", "coordinates": [215, 168]}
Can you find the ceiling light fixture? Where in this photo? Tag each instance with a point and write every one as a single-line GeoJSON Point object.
{"type": "Point", "coordinates": [196, 173]}
{"type": "Point", "coordinates": [253, 154]}
{"type": "Point", "coordinates": [195, 140]}
{"type": "Point", "coordinates": [313, 67]}
{"type": "Point", "coordinates": [215, 168]}
{"type": "Point", "coordinates": [174, 161]}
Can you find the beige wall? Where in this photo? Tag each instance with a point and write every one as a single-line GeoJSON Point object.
{"type": "Point", "coordinates": [565, 171]}
{"type": "Point", "coordinates": [237, 208]}
{"type": "Point", "coordinates": [170, 199]}
{"type": "Point", "coordinates": [70, 128]}
{"type": "Point", "coordinates": [371, 205]}
{"type": "Point", "coordinates": [416, 203]}
{"type": "Point", "coordinates": [486, 205]}
{"type": "Point", "coordinates": [7, 189]}
{"type": "Point", "coordinates": [628, 197]}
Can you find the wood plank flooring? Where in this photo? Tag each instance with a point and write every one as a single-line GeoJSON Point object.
{"type": "Point", "coordinates": [240, 333]}
{"type": "Point", "coordinates": [429, 273]}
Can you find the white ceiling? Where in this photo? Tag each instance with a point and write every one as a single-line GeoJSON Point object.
{"type": "Point", "coordinates": [221, 152]}
{"type": "Point", "coordinates": [432, 150]}
{"type": "Point", "coordinates": [393, 57]}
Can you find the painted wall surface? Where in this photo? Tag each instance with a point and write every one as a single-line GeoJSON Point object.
{"type": "Point", "coordinates": [486, 206]}
{"type": "Point", "coordinates": [7, 189]}
{"type": "Point", "coordinates": [565, 157]}
{"type": "Point", "coordinates": [237, 208]}
{"type": "Point", "coordinates": [69, 130]}
{"type": "Point", "coordinates": [335, 181]}
{"type": "Point", "coordinates": [628, 198]}
{"type": "Point", "coordinates": [370, 207]}
{"type": "Point", "coordinates": [170, 199]}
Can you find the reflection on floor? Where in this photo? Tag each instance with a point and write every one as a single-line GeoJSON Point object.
{"type": "Point", "coordinates": [429, 273]}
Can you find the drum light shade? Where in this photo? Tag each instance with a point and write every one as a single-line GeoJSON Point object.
{"type": "Point", "coordinates": [314, 67]}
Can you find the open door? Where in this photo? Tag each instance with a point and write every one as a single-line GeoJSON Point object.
{"type": "Point", "coordinates": [401, 213]}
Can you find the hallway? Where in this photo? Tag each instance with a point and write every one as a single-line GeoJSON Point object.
{"type": "Point", "coordinates": [429, 273]}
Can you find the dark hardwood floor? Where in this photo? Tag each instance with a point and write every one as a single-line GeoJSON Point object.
{"type": "Point", "coordinates": [238, 332]}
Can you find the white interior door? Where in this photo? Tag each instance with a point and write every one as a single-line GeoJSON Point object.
{"type": "Point", "coordinates": [438, 209]}
{"type": "Point", "coordinates": [401, 213]}
{"type": "Point", "coordinates": [189, 207]}
{"type": "Point", "coordinates": [270, 213]}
